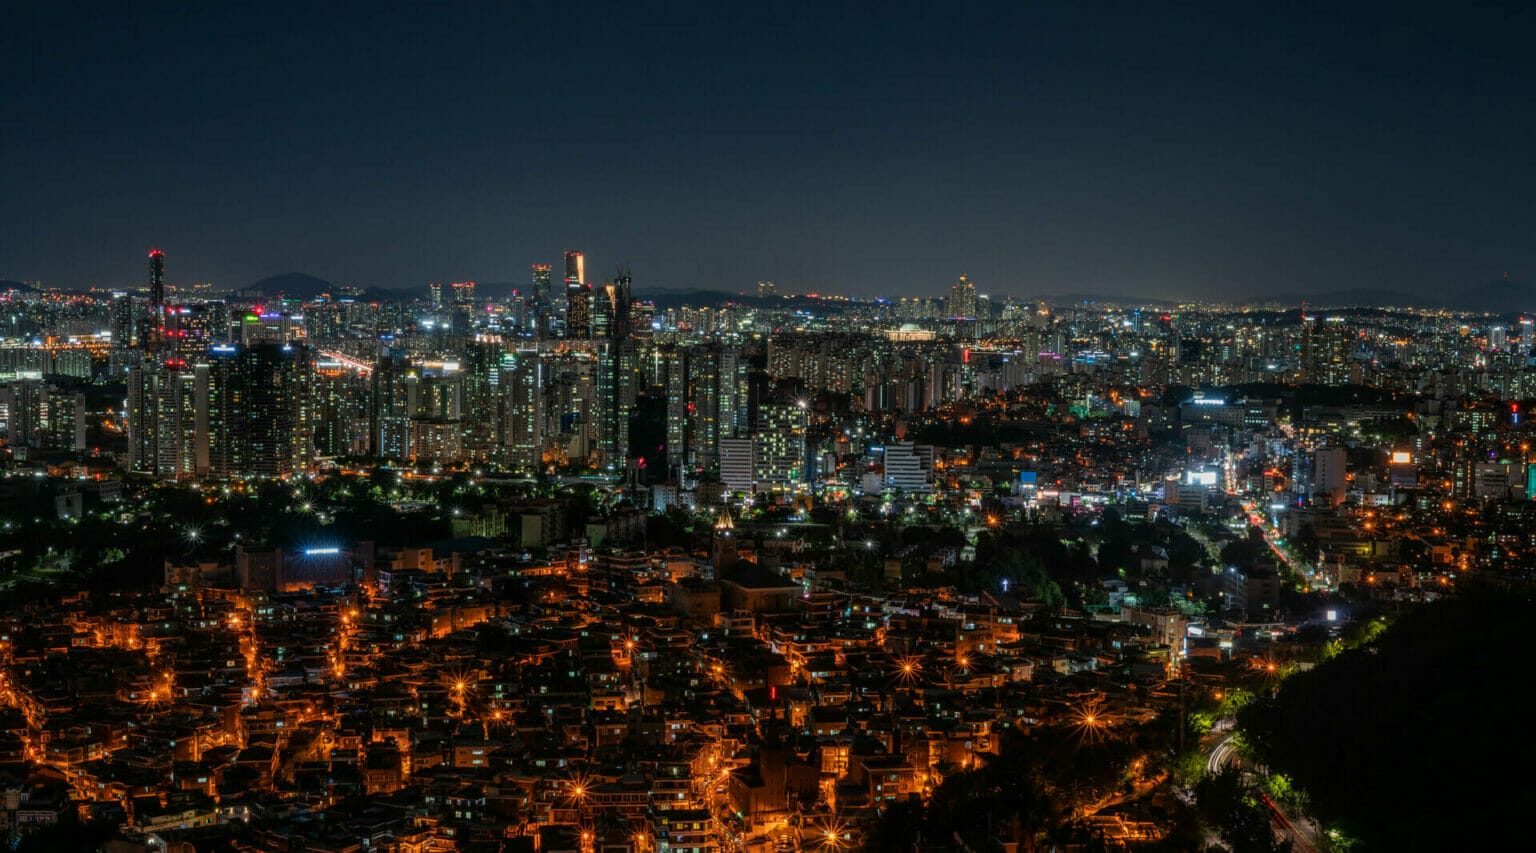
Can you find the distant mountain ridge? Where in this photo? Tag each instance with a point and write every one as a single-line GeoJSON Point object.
{"type": "Point", "coordinates": [294, 285]}
{"type": "Point", "coordinates": [1364, 297]}
{"type": "Point", "coordinates": [1495, 297]}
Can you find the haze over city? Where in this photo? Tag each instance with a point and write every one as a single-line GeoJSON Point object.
{"type": "Point", "coordinates": [1205, 150]}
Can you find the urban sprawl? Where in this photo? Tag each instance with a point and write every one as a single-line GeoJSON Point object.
{"type": "Point", "coordinates": [569, 564]}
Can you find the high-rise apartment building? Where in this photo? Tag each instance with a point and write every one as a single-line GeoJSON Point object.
{"type": "Point", "coordinates": [277, 425]}
{"type": "Point", "coordinates": [962, 300]}
{"type": "Point", "coordinates": [524, 375]}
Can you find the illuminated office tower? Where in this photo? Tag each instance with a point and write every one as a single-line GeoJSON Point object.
{"type": "Point", "coordinates": [600, 312]}
{"type": "Point", "coordinates": [641, 316]}
{"type": "Point", "coordinates": [621, 306]}
{"type": "Point", "coordinates": [167, 435]}
{"type": "Point", "coordinates": [578, 297]}
{"type": "Point", "coordinates": [156, 277]}
{"type": "Point", "coordinates": [435, 294]}
{"type": "Point", "coordinates": [541, 284]}
{"type": "Point", "coordinates": [738, 464]}
{"type": "Point", "coordinates": [578, 313]}
{"type": "Point", "coordinates": [543, 301]}
{"type": "Point", "coordinates": [268, 327]}
{"type": "Point", "coordinates": [190, 330]}
{"type": "Point", "coordinates": [909, 467]}
{"type": "Point", "coordinates": [524, 376]}
{"type": "Point", "coordinates": [780, 444]}
{"type": "Point", "coordinates": [463, 293]}
{"type": "Point", "coordinates": [154, 321]}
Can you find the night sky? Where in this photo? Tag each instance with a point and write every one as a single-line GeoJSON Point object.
{"type": "Point", "coordinates": [1039, 148]}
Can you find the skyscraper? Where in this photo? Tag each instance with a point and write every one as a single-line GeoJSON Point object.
{"type": "Point", "coordinates": [156, 277]}
{"type": "Point", "coordinates": [543, 304]}
{"type": "Point", "coordinates": [541, 283]}
{"type": "Point", "coordinates": [578, 313]}
{"type": "Point", "coordinates": [578, 297]}
{"type": "Point", "coordinates": [962, 300]}
{"type": "Point", "coordinates": [524, 374]}
{"type": "Point", "coordinates": [704, 405]}
{"type": "Point", "coordinates": [152, 387]}
{"type": "Point", "coordinates": [673, 370]}
{"type": "Point", "coordinates": [152, 338]}
{"type": "Point", "coordinates": [391, 429]}
{"type": "Point", "coordinates": [279, 436]}
{"type": "Point", "coordinates": [621, 300]}
{"type": "Point", "coordinates": [781, 444]}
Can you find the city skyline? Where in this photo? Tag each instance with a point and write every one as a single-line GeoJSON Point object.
{"type": "Point", "coordinates": [892, 427]}
{"type": "Point", "coordinates": [1210, 152]}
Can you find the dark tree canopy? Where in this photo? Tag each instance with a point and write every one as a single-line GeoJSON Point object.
{"type": "Point", "coordinates": [1415, 741]}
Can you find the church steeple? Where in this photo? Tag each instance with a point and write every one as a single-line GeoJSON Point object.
{"type": "Point", "coordinates": [724, 553]}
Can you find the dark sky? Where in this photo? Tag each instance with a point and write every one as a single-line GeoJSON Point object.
{"type": "Point", "coordinates": [1139, 148]}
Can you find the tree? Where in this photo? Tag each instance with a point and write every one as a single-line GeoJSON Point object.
{"type": "Point", "coordinates": [1434, 688]}
{"type": "Point", "coordinates": [1233, 807]}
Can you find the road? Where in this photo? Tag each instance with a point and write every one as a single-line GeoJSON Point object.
{"type": "Point", "coordinates": [1286, 829]}
{"type": "Point", "coordinates": [1298, 568]}
{"type": "Point", "coordinates": [1220, 753]}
